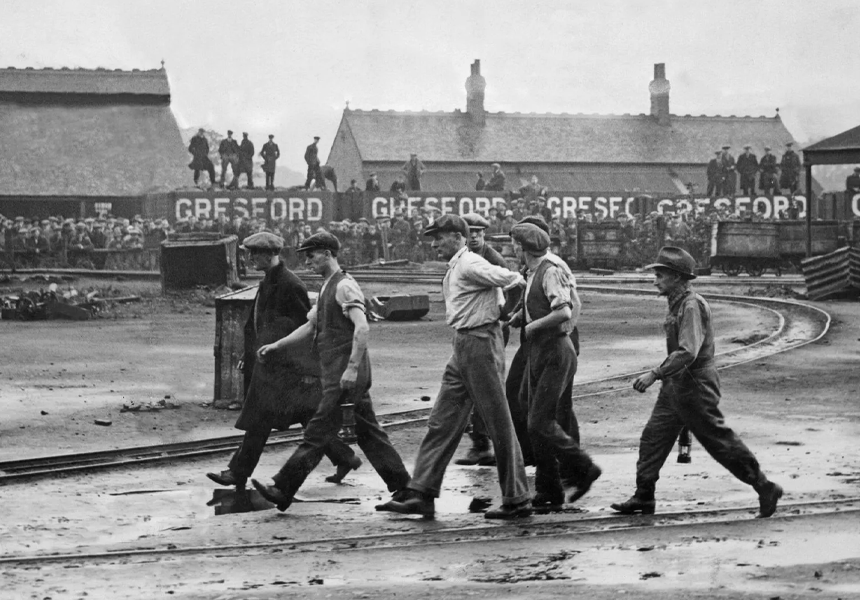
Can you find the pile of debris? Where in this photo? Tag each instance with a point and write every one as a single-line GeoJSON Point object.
{"type": "Point", "coordinates": [55, 304]}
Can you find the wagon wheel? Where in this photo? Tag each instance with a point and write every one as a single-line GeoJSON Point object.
{"type": "Point", "coordinates": [731, 269]}
{"type": "Point", "coordinates": [755, 270]}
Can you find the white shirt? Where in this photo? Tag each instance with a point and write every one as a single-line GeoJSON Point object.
{"type": "Point", "coordinates": [473, 290]}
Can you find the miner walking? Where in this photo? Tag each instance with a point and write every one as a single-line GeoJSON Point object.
{"type": "Point", "coordinates": [337, 325]}
{"type": "Point", "coordinates": [690, 393]}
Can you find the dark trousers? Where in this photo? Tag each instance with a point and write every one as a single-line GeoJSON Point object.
{"type": "Point", "coordinates": [315, 175]}
{"type": "Point", "coordinates": [712, 188]}
{"type": "Point", "coordinates": [748, 184]}
{"type": "Point", "coordinates": [244, 169]}
{"type": "Point", "coordinates": [209, 169]}
{"type": "Point", "coordinates": [248, 454]}
{"type": "Point", "coordinates": [520, 410]}
{"type": "Point", "coordinates": [692, 400]}
{"type": "Point", "coordinates": [550, 366]}
{"type": "Point", "coordinates": [323, 427]}
{"type": "Point", "coordinates": [270, 180]}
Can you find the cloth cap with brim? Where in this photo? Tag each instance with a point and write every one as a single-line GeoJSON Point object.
{"type": "Point", "coordinates": [677, 260]}
{"type": "Point", "coordinates": [264, 241]}
{"type": "Point", "coordinates": [448, 223]}
{"type": "Point", "coordinates": [531, 237]}
{"type": "Point", "coordinates": [475, 221]}
{"type": "Point", "coordinates": [536, 220]}
{"type": "Point", "coordinates": [320, 241]}
{"type": "Point", "coordinates": [726, 147]}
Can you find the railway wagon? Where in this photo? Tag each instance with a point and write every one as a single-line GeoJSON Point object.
{"type": "Point", "coordinates": [755, 247]}
{"type": "Point", "coordinates": [600, 245]}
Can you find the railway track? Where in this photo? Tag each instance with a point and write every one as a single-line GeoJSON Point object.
{"type": "Point", "coordinates": [799, 324]}
{"type": "Point", "coordinates": [566, 524]}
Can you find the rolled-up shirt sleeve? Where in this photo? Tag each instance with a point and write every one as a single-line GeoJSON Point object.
{"type": "Point", "coordinates": [349, 295]}
{"type": "Point", "coordinates": [691, 336]}
{"type": "Point", "coordinates": [556, 287]}
{"type": "Point", "coordinates": [483, 272]}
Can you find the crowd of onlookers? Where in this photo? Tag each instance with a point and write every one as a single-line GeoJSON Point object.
{"type": "Point", "coordinates": [66, 241]}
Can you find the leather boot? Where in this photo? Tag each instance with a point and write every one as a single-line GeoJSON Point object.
{"type": "Point", "coordinates": [510, 511]}
{"type": "Point", "coordinates": [478, 456]}
{"type": "Point", "coordinates": [273, 495]}
{"type": "Point", "coordinates": [344, 469]}
{"type": "Point", "coordinates": [228, 478]}
{"type": "Point", "coordinates": [635, 505]}
{"type": "Point", "coordinates": [768, 497]}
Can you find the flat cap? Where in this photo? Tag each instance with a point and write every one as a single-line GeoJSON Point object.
{"type": "Point", "coordinates": [475, 221]}
{"type": "Point", "coordinates": [450, 223]}
{"type": "Point", "coordinates": [767, 147]}
{"type": "Point", "coordinates": [747, 146]}
{"type": "Point", "coordinates": [496, 165]}
{"type": "Point", "coordinates": [726, 147]}
{"type": "Point", "coordinates": [264, 241]}
{"type": "Point", "coordinates": [320, 241]}
{"type": "Point", "coordinates": [532, 238]}
{"type": "Point", "coordinates": [536, 220]}
{"type": "Point", "coordinates": [229, 132]}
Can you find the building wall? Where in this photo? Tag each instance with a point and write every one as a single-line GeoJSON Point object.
{"type": "Point", "coordinates": [345, 158]}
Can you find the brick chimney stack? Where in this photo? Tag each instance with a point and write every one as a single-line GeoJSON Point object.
{"type": "Point", "coordinates": [659, 89]}
{"type": "Point", "coordinates": [475, 86]}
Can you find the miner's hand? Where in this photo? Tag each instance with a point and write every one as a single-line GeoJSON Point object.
{"type": "Point", "coordinates": [349, 377]}
{"type": "Point", "coordinates": [644, 381]}
{"type": "Point", "coordinates": [263, 352]}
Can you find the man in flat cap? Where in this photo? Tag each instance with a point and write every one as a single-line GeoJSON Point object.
{"type": "Point", "coordinates": [313, 161]}
{"type": "Point", "coordinates": [748, 168]}
{"type": "Point", "coordinates": [714, 175]}
{"type": "Point", "coordinates": [228, 149]}
{"type": "Point", "coordinates": [497, 180]}
{"type": "Point", "coordinates": [550, 364]}
{"type": "Point", "coordinates": [852, 183]}
{"type": "Point", "coordinates": [372, 183]}
{"type": "Point", "coordinates": [337, 327]}
{"type": "Point", "coordinates": [200, 161]}
{"type": "Point", "coordinates": [768, 183]}
{"type": "Point", "coordinates": [481, 452]}
{"type": "Point", "coordinates": [728, 174]}
{"type": "Point", "coordinates": [413, 169]}
{"type": "Point", "coordinates": [270, 153]}
{"type": "Point", "coordinates": [690, 393]}
{"type": "Point", "coordinates": [789, 170]}
{"type": "Point", "coordinates": [473, 305]}
{"type": "Point", "coordinates": [246, 162]}
{"type": "Point", "coordinates": [285, 390]}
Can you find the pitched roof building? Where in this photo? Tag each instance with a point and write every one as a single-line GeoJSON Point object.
{"type": "Point", "coordinates": [657, 152]}
{"type": "Point", "coordinates": [88, 134]}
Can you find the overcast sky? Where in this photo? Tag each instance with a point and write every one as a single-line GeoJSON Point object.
{"type": "Point", "coordinates": [288, 67]}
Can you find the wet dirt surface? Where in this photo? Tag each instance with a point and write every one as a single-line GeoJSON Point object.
{"type": "Point", "coordinates": [798, 411]}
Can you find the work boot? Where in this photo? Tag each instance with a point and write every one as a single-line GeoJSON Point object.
{"type": "Point", "coordinates": [768, 496]}
{"type": "Point", "coordinates": [273, 495]}
{"type": "Point", "coordinates": [228, 478]}
{"type": "Point", "coordinates": [478, 455]}
{"type": "Point", "coordinates": [510, 511]}
{"type": "Point", "coordinates": [548, 500]}
{"type": "Point", "coordinates": [581, 490]}
{"type": "Point", "coordinates": [415, 503]}
{"type": "Point", "coordinates": [635, 505]}
{"type": "Point", "coordinates": [343, 470]}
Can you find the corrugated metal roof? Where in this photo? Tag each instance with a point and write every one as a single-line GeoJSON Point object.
{"type": "Point", "coordinates": [118, 150]}
{"type": "Point", "coordinates": [515, 138]}
{"type": "Point", "coordinates": [84, 81]}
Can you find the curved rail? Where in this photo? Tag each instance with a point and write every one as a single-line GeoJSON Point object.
{"type": "Point", "coordinates": [779, 341]}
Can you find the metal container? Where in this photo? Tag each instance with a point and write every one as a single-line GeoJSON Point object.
{"type": "Point", "coordinates": [193, 260]}
{"type": "Point", "coordinates": [744, 240]}
{"type": "Point", "coordinates": [231, 313]}
{"type": "Point", "coordinates": [792, 237]}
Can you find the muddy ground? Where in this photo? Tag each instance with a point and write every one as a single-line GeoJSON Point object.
{"type": "Point", "coordinates": [798, 411]}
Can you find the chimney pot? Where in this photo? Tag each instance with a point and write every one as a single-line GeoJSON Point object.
{"type": "Point", "coordinates": [659, 89]}
{"type": "Point", "coordinates": [475, 86]}
{"type": "Point", "coordinates": [660, 71]}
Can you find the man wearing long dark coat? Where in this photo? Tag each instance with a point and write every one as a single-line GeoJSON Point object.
{"type": "Point", "coordinates": [199, 149]}
{"type": "Point", "coordinates": [270, 153]}
{"type": "Point", "coordinates": [282, 392]}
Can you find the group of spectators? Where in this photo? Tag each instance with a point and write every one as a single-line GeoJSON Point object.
{"type": "Point", "coordinates": [725, 173]}
{"type": "Point", "coordinates": [398, 237]}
